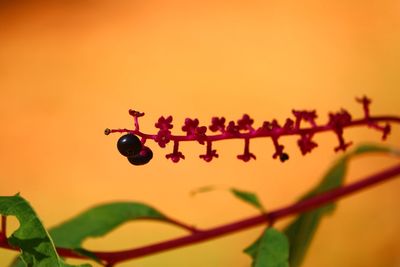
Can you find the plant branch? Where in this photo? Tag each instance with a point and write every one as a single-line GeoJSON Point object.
{"type": "Point", "coordinates": [244, 129]}
{"type": "Point", "coordinates": [305, 143]}
{"type": "Point", "coordinates": [197, 236]}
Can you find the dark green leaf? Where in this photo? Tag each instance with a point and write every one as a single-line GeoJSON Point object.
{"type": "Point", "coordinates": [99, 221]}
{"type": "Point", "coordinates": [248, 197]}
{"type": "Point", "coordinates": [31, 237]}
{"type": "Point", "coordinates": [252, 249]}
{"type": "Point", "coordinates": [300, 234]}
{"type": "Point", "coordinates": [88, 254]}
{"type": "Point", "coordinates": [365, 148]}
{"type": "Point", "coordinates": [18, 262]}
{"type": "Point", "coordinates": [302, 230]}
{"type": "Point", "coordinates": [270, 250]}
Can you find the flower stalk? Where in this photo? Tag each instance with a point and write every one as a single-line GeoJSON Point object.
{"type": "Point", "coordinates": [244, 129]}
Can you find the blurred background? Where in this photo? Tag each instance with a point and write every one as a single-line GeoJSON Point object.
{"type": "Point", "coordinates": [69, 69]}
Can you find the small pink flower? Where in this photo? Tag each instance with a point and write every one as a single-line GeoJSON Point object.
{"type": "Point", "coordinates": [245, 123]}
{"type": "Point", "coordinates": [289, 124]}
{"type": "Point", "coordinates": [209, 155]}
{"type": "Point", "coordinates": [200, 134]}
{"type": "Point", "coordinates": [265, 128]}
{"type": "Point", "coordinates": [306, 144]}
{"type": "Point", "coordinates": [190, 126]}
{"type": "Point", "coordinates": [339, 119]}
{"type": "Point", "coordinates": [232, 128]}
{"type": "Point", "coordinates": [175, 156]}
{"type": "Point", "coordinates": [163, 137]}
{"type": "Point", "coordinates": [217, 124]}
{"type": "Point", "coordinates": [164, 123]}
{"type": "Point", "coordinates": [136, 113]}
{"type": "Point", "coordinates": [246, 156]}
{"type": "Point", "coordinates": [308, 116]}
{"type": "Point", "coordinates": [275, 125]}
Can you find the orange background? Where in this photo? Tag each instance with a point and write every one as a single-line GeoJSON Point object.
{"type": "Point", "coordinates": [71, 69]}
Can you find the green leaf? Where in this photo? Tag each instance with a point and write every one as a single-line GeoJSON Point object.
{"type": "Point", "coordinates": [248, 197]}
{"type": "Point", "coordinates": [203, 189]}
{"type": "Point", "coordinates": [31, 237]}
{"type": "Point", "coordinates": [365, 148]}
{"type": "Point", "coordinates": [302, 230]}
{"type": "Point", "coordinates": [252, 249]}
{"type": "Point", "coordinates": [18, 262]}
{"type": "Point", "coordinates": [271, 250]}
{"type": "Point", "coordinates": [99, 221]}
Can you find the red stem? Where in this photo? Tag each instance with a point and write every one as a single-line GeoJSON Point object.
{"type": "Point", "coordinates": [200, 236]}
{"type": "Point", "coordinates": [3, 231]}
{"type": "Point", "coordinates": [183, 225]}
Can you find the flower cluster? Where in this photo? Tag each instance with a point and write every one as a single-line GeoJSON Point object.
{"type": "Point", "coordinates": [303, 124]}
{"type": "Point", "coordinates": [195, 131]}
{"type": "Point", "coordinates": [164, 134]}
